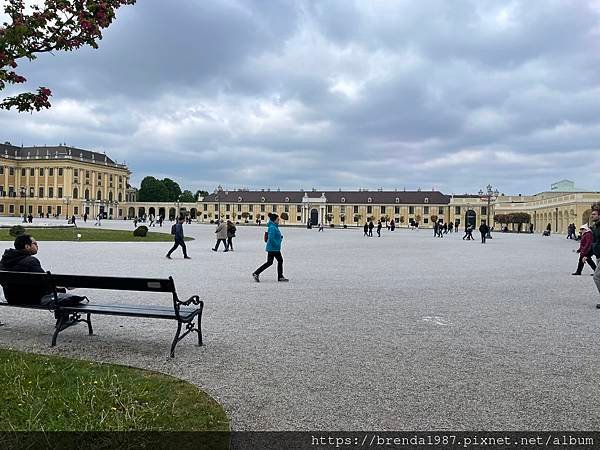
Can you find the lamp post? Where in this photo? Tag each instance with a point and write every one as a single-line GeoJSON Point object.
{"type": "Point", "coordinates": [488, 194]}
{"type": "Point", "coordinates": [67, 201]}
{"type": "Point", "coordinates": [24, 195]}
{"type": "Point", "coordinates": [218, 191]}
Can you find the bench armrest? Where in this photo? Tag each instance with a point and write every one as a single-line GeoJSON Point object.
{"type": "Point", "coordinates": [193, 300]}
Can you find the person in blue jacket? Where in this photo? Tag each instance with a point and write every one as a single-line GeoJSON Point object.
{"type": "Point", "coordinates": [273, 249]}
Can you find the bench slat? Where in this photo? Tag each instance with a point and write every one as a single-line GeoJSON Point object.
{"type": "Point", "coordinates": [157, 312]}
{"type": "Point", "coordinates": [114, 283]}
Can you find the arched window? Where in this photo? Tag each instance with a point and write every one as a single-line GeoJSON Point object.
{"type": "Point", "coordinates": [120, 197]}
{"type": "Point", "coordinates": [426, 200]}
{"type": "Point", "coordinates": [370, 200]}
{"type": "Point", "coordinates": [397, 200]}
{"type": "Point", "coordinates": [99, 195]}
{"type": "Point", "coordinates": [110, 196]}
{"type": "Point", "coordinates": [75, 193]}
{"type": "Point", "coordinates": [87, 194]}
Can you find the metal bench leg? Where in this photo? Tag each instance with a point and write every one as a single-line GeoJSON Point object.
{"type": "Point", "coordinates": [176, 340]}
{"type": "Point", "coordinates": [199, 331]}
{"type": "Point", "coordinates": [89, 323]}
{"type": "Point", "coordinates": [58, 327]}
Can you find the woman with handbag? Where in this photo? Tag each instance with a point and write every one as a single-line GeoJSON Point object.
{"type": "Point", "coordinates": [273, 249]}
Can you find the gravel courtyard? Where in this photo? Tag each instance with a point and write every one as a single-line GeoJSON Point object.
{"type": "Point", "coordinates": [400, 332]}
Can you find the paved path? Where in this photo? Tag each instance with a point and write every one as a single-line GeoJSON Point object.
{"type": "Point", "coordinates": [399, 332]}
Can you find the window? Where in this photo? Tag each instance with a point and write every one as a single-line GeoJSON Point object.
{"type": "Point", "coordinates": [75, 193]}
{"type": "Point", "coordinates": [262, 199]}
{"type": "Point", "coordinates": [76, 211]}
{"type": "Point", "coordinates": [216, 206]}
{"type": "Point", "coordinates": [484, 210]}
{"type": "Point", "coordinates": [87, 194]}
{"type": "Point", "coordinates": [11, 209]}
{"type": "Point", "coordinates": [239, 208]}
{"type": "Point", "coordinates": [250, 208]}
{"type": "Point", "coordinates": [440, 210]}
{"type": "Point", "coordinates": [21, 209]}
{"type": "Point", "coordinates": [51, 172]}
{"type": "Point", "coordinates": [205, 207]}
{"type": "Point", "coordinates": [397, 210]}
{"type": "Point", "coordinates": [11, 171]}
{"type": "Point", "coordinates": [32, 172]}
{"type": "Point", "coordinates": [41, 171]}
{"type": "Point", "coordinates": [120, 200]}
{"type": "Point", "coordinates": [298, 218]}
{"type": "Point", "coordinates": [11, 191]}
{"type": "Point", "coordinates": [369, 199]}
{"type": "Point", "coordinates": [287, 208]}
{"type": "Point", "coordinates": [99, 195]}
{"type": "Point", "coordinates": [87, 173]}
{"type": "Point", "coordinates": [343, 199]}
{"type": "Point", "coordinates": [397, 200]}
{"type": "Point", "coordinates": [356, 210]}
{"type": "Point", "coordinates": [1, 170]}
{"type": "Point", "coordinates": [329, 208]}
{"type": "Point", "coordinates": [342, 210]}
{"type": "Point", "coordinates": [298, 209]}
{"type": "Point", "coordinates": [287, 199]}
{"type": "Point", "coordinates": [1, 208]}
{"type": "Point", "coordinates": [426, 200]}
{"type": "Point", "coordinates": [60, 172]}
{"type": "Point", "coordinates": [50, 192]}
{"type": "Point", "coordinates": [41, 192]}
{"type": "Point", "coordinates": [425, 220]}
{"type": "Point", "coordinates": [75, 172]}
{"type": "Point", "coordinates": [40, 209]}
{"type": "Point", "coordinates": [383, 210]}
{"type": "Point", "coordinates": [426, 210]}
{"type": "Point", "coordinates": [60, 192]}
{"type": "Point", "coordinates": [262, 208]}
{"type": "Point", "coordinates": [369, 209]}
{"type": "Point", "coordinates": [457, 210]}
{"type": "Point", "coordinates": [23, 171]}
{"type": "Point", "coordinates": [239, 199]}
{"type": "Point", "coordinates": [110, 196]}
{"type": "Point", "coordinates": [411, 209]}
{"type": "Point", "coordinates": [274, 208]}
{"type": "Point", "coordinates": [58, 210]}
{"type": "Point", "coordinates": [227, 207]}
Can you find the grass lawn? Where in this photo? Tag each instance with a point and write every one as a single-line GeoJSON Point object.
{"type": "Point", "coordinates": [88, 234]}
{"type": "Point", "coordinates": [49, 393]}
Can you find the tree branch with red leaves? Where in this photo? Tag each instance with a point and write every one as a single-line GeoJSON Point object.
{"type": "Point", "coordinates": [57, 25]}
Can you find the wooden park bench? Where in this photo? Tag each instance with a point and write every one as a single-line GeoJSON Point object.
{"type": "Point", "coordinates": [67, 316]}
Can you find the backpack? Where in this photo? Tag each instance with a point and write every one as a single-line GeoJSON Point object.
{"type": "Point", "coordinates": [174, 228]}
{"type": "Point", "coordinates": [266, 236]}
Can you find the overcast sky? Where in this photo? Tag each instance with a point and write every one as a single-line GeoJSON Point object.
{"type": "Point", "coordinates": [451, 95]}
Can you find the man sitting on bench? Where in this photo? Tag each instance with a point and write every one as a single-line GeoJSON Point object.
{"type": "Point", "coordinates": [21, 259]}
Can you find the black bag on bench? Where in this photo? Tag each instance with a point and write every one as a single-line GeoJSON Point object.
{"type": "Point", "coordinates": [62, 299]}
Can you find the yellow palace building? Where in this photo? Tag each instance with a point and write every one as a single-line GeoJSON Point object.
{"type": "Point", "coordinates": [62, 181]}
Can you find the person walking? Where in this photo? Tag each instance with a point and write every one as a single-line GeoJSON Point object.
{"type": "Point", "coordinates": [371, 226]}
{"type": "Point", "coordinates": [435, 228]}
{"type": "Point", "coordinates": [161, 218]}
{"type": "Point", "coordinates": [73, 220]}
{"type": "Point", "coordinates": [392, 225]}
{"type": "Point", "coordinates": [450, 226]}
{"type": "Point", "coordinates": [595, 250]}
{"type": "Point", "coordinates": [379, 228]}
{"type": "Point", "coordinates": [469, 233]}
{"type": "Point", "coordinates": [177, 232]}
{"type": "Point", "coordinates": [135, 222]}
{"type": "Point", "coordinates": [273, 249]}
{"type": "Point", "coordinates": [484, 230]}
{"type": "Point", "coordinates": [230, 234]}
{"type": "Point", "coordinates": [84, 217]}
{"type": "Point", "coordinates": [585, 247]}
{"type": "Point", "coordinates": [366, 229]}
{"type": "Point", "coordinates": [445, 228]}
{"type": "Point", "coordinates": [221, 232]}
{"type": "Point", "coordinates": [549, 229]}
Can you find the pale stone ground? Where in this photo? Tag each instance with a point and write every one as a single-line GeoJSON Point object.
{"type": "Point", "coordinates": [399, 332]}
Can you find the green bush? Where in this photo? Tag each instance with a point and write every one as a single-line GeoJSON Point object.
{"type": "Point", "coordinates": [16, 230]}
{"type": "Point", "coordinates": [141, 231]}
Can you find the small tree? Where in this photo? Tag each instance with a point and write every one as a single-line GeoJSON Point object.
{"type": "Point", "coordinates": [245, 216]}
{"type": "Point", "coordinates": [357, 218]}
{"type": "Point", "coordinates": [284, 216]}
{"type": "Point", "coordinates": [401, 219]}
{"type": "Point", "coordinates": [434, 218]}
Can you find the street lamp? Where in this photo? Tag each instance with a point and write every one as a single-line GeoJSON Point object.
{"type": "Point", "coordinates": [67, 201]}
{"type": "Point", "coordinates": [217, 191]}
{"type": "Point", "coordinates": [488, 194]}
{"type": "Point", "coordinates": [24, 195]}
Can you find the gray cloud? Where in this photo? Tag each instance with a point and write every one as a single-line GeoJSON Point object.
{"type": "Point", "coordinates": [333, 94]}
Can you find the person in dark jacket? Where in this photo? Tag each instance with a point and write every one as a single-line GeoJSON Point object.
{"type": "Point", "coordinates": [21, 259]}
{"type": "Point", "coordinates": [585, 249]}
{"type": "Point", "coordinates": [371, 226]}
{"type": "Point", "coordinates": [379, 228]}
{"type": "Point", "coordinates": [273, 248]}
{"type": "Point", "coordinates": [366, 229]}
{"type": "Point", "coordinates": [595, 251]}
{"type": "Point", "coordinates": [179, 239]}
{"type": "Point", "coordinates": [484, 230]}
{"type": "Point", "coordinates": [392, 225]}
{"type": "Point", "coordinates": [231, 229]}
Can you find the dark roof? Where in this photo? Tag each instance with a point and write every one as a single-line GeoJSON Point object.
{"type": "Point", "coordinates": [54, 152]}
{"type": "Point", "coordinates": [377, 197]}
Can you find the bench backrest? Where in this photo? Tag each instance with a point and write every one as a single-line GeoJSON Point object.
{"type": "Point", "coordinates": [114, 283]}
{"type": "Point", "coordinates": [23, 277]}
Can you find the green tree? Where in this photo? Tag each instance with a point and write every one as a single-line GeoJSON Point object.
{"type": "Point", "coordinates": [187, 196]}
{"type": "Point", "coordinates": [57, 25]}
{"type": "Point", "coordinates": [173, 189]}
{"type": "Point", "coordinates": [200, 194]}
{"type": "Point", "coordinates": [153, 190]}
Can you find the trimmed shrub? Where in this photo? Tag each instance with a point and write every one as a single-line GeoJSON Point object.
{"type": "Point", "coordinates": [141, 231]}
{"type": "Point", "coordinates": [16, 230]}
{"type": "Point", "coordinates": [345, 226]}
{"type": "Point", "coordinates": [332, 225]}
